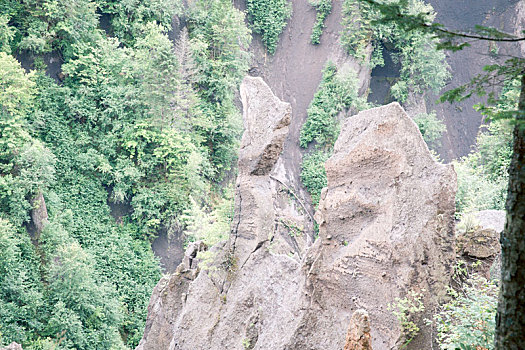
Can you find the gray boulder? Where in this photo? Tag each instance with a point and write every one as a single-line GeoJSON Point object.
{"type": "Point", "coordinates": [480, 239]}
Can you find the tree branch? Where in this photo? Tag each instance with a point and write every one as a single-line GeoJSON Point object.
{"type": "Point", "coordinates": [470, 36]}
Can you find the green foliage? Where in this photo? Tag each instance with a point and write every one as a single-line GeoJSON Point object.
{"type": "Point", "coordinates": [313, 173]}
{"type": "Point", "coordinates": [219, 38]}
{"type": "Point", "coordinates": [47, 25]}
{"type": "Point", "coordinates": [338, 91]}
{"type": "Point", "coordinates": [423, 67]}
{"type": "Point", "coordinates": [83, 306]}
{"type": "Point", "coordinates": [357, 31]}
{"type": "Point", "coordinates": [210, 226]}
{"type": "Point", "coordinates": [467, 321]}
{"type": "Point", "coordinates": [21, 297]}
{"type": "Point", "coordinates": [268, 18]}
{"type": "Point", "coordinates": [407, 311]}
{"type": "Point", "coordinates": [26, 165]}
{"type": "Point", "coordinates": [133, 138]}
{"type": "Point", "coordinates": [482, 175]}
{"type": "Point", "coordinates": [128, 18]}
{"type": "Point", "coordinates": [16, 85]}
{"type": "Point", "coordinates": [323, 8]}
{"type": "Point", "coordinates": [7, 34]}
{"type": "Point", "coordinates": [430, 127]}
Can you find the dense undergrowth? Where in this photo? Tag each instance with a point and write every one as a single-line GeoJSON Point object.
{"type": "Point", "coordinates": [468, 319]}
{"type": "Point", "coordinates": [483, 174]}
{"type": "Point", "coordinates": [138, 126]}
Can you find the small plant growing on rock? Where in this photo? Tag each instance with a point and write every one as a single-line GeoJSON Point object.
{"type": "Point", "coordinates": [406, 311]}
{"type": "Point", "coordinates": [293, 229]}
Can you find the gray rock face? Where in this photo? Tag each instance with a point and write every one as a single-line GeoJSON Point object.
{"type": "Point", "coordinates": [39, 218]}
{"type": "Point", "coordinates": [386, 227]}
{"type": "Point", "coordinates": [491, 220]}
{"type": "Point", "coordinates": [266, 120]}
{"type": "Point", "coordinates": [482, 241]}
{"type": "Point", "coordinates": [12, 346]}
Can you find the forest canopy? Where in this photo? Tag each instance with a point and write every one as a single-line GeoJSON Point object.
{"type": "Point", "coordinates": [132, 134]}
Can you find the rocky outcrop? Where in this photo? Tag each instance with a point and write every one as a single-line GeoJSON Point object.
{"type": "Point", "coordinates": [481, 239]}
{"type": "Point", "coordinates": [491, 220]}
{"type": "Point", "coordinates": [39, 218]}
{"type": "Point", "coordinates": [478, 240]}
{"type": "Point", "coordinates": [386, 228]}
{"type": "Point", "coordinates": [358, 336]}
{"type": "Point", "coordinates": [244, 294]}
{"type": "Point", "coordinates": [12, 346]}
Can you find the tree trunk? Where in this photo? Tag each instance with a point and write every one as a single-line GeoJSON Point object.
{"type": "Point", "coordinates": [510, 319]}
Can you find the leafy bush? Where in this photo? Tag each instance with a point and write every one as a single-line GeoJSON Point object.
{"type": "Point", "coordinates": [43, 26]}
{"type": "Point", "coordinates": [17, 86]}
{"type": "Point", "coordinates": [83, 308]}
{"type": "Point", "coordinates": [422, 66]}
{"type": "Point", "coordinates": [407, 310]}
{"type": "Point", "coordinates": [357, 32]}
{"type": "Point", "coordinates": [476, 192]}
{"type": "Point", "coordinates": [338, 91]}
{"type": "Point", "coordinates": [221, 61]}
{"type": "Point", "coordinates": [323, 8]}
{"type": "Point", "coordinates": [468, 320]}
{"type": "Point", "coordinates": [268, 18]}
{"type": "Point", "coordinates": [210, 225]}
{"type": "Point", "coordinates": [21, 291]}
{"type": "Point", "coordinates": [482, 175]}
{"type": "Point", "coordinates": [313, 173]}
{"type": "Point", "coordinates": [128, 18]}
{"type": "Point", "coordinates": [430, 127]}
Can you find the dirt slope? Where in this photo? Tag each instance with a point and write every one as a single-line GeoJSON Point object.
{"type": "Point", "coordinates": [295, 71]}
{"type": "Point", "coordinates": [461, 119]}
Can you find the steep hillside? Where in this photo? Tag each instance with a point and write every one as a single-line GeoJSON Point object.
{"type": "Point", "coordinates": [461, 119]}
{"type": "Point", "coordinates": [294, 73]}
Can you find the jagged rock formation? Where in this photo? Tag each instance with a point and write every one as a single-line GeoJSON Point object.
{"type": "Point", "coordinates": [386, 227]}
{"type": "Point", "coordinates": [12, 346]}
{"type": "Point", "coordinates": [358, 336]}
{"type": "Point", "coordinates": [481, 242]}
